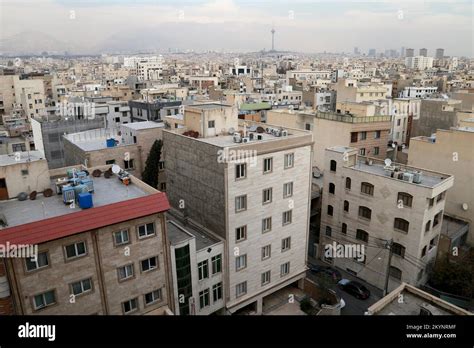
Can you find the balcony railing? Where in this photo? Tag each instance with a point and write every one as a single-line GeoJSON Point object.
{"type": "Point", "coordinates": [352, 119]}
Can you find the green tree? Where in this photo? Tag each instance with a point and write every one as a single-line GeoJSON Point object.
{"type": "Point", "coordinates": [150, 174]}
{"type": "Point", "coordinates": [454, 278]}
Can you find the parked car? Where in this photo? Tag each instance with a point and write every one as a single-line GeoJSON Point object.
{"type": "Point", "coordinates": [330, 272]}
{"type": "Point", "coordinates": [354, 288]}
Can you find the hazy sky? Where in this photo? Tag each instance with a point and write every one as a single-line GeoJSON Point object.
{"type": "Point", "coordinates": [301, 25]}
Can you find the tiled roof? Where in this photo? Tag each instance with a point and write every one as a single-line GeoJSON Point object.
{"type": "Point", "coordinates": [85, 220]}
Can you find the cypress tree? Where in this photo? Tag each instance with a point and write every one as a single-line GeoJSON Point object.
{"type": "Point", "coordinates": [150, 174]}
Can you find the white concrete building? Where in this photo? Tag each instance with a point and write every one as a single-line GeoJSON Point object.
{"type": "Point", "coordinates": [419, 62]}
{"type": "Point", "coordinates": [417, 92]}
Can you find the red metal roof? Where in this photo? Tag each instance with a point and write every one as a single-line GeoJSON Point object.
{"type": "Point", "coordinates": [85, 220]}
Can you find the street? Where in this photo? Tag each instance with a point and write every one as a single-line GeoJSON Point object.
{"type": "Point", "coordinates": [353, 306]}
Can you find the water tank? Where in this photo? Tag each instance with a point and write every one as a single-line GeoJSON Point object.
{"type": "Point", "coordinates": [68, 194]}
{"type": "Point", "coordinates": [110, 142]}
{"type": "Point", "coordinates": [89, 183]}
{"type": "Point", "coordinates": [82, 175]}
{"type": "Point", "coordinates": [81, 188]}
{"type": "Point", "coordinates": [85, 200]}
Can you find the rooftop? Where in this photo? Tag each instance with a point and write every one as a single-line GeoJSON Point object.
{"type": "Point", "coordinates": [144, 125]}
{"type": "Point", "coordinates": [106, 191]}
{"type": "Point", "coordinates": [94, 139]}
{"type": "Point", "coordinates": [179, 233]}
{"type": "Point", "coordinates": [209, 106]}
{"type": "Point", "coordinates": [24, 157]}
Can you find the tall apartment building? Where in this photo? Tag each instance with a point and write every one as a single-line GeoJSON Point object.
{"type": "Point", "coordinates": [28, 94]}
{"type": "Point", "coordinates": [111, 258]}
{"type": "Point", "coordinates": [252, 188]}
{"type": "Point", "coordinates": [439, 53]}
{"type": "Point", "coordinates": [369, 134]}
{"type": "Point", "coordinates": [419, 62]}
{"type": "Point", "coordinates": [354, 91]}
{"type": "Point", "coordinates": [436, 114]}
{"type": "Point", "coordinates": [410, 52]}
{"type": "Point", "coordinates": [450, 151]}
{"type": "Point", "coordinates": [369, 203]}
{"type": "Point", "coordinates": [423, 52]}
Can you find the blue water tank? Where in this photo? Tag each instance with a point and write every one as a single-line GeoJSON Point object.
{"type": "Point", "coordinates": [89, 183]}
{"type": "Point", "coordinates": [68, 194]}
{"type": "Point", "coordinates": [85, 200]}
{"type": "Point", "coordinates": [81, 175]}
{"type": "Point", "coordinates": [78, 189]}
{"type": "Point", "coordinates": [110, 142]}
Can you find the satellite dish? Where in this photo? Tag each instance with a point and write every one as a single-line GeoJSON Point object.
{"type": "Point", "coordinates": [393, 145]}
{"type": "Point", "coordinates": [388, 162]}
{"type": "Point", "coordinates": [115, 169]}
{"type": "Point", "coordinates": [465, 207]}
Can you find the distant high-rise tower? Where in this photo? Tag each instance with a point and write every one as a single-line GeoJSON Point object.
{"type": "Point", "coordinates": [402, 52]}
{"type": "Point", "coordinates": [423, 52]}
{"type": "Point", "coordinates": [356, 51]}
{"type": "Point", "coordinates": [372, 52]}
{"type": "Point", "coordinates": [410, 52]}
{"type": "Point", "coordinates": [439, 53]}
{"type": "Point", "coordinates": [273, 39]}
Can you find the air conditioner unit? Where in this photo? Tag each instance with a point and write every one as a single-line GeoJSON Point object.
{"type": "Point", "coordinates": [417, 177]}
{"type": "Point", "coordinates": [408, 177]}
{"type": "Point", "coordinates": [246, 140]}
{"type": "Point", "coordinates": [284, 133]}
{"type": "Point", "coordinates": [277, 133]}
{"type": "Point", "coordinates": [237, 138]}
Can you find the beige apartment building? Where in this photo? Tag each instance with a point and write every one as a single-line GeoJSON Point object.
{"type": "Point", "coordinates": [28, 94]}
{"type": "Point", "coordinates": [109, 259]}
{"type": "Point", "coordinates": [354, 91]}
{"type": "Point", "coordinates": [250, 184]}
{"type": "Point", "coordinates": [369, 134]}
{"type": "Point", "coordinates": [450, 151]}
{"type": "Point", "coordinates": [128, 147]}
{"type": "Point", "coordinates": [369, 203]}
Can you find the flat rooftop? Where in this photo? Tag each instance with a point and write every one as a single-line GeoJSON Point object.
{"type": "Point", "coordinates": [25, 157]}
{"type": "Point", "coordinates": [94, 139]}
{"type": "Point", "coordinates": [106, 191]}
{"type": "Point", "coordinates": [144, 125]}
{"type": "Point", "coordinates": [209, 106]}
{"type": "Point", "coordinates": [179, 233]}
{"type": "Point", "coordinates": [411, 305]}
{"type": "Point", "coordinates": [453, 227]}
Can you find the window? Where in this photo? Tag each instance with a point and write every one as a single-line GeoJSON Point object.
{"type": "Point", "coordinates": [81, 287]}
{"type": "Point", "coordinates": [216, 264]}
{"type": "Point", "coordinates": [203, 270]}
{"type": "Point", "coordinates": [240, 203]}
{"type": "Point", "coordinates": [362, 151]}
{"type": "Point", "coordinates": [240, 171]}
{"type": "Point", "coordinates": [267, 165]}
{"type": "Point", "coordinates": [287, 189]}
{"type": "Point", "coordinates": [217, 292]}
{"type": "Point", "coordinates": [18, 147]}
{"type": "Point", "coordinates": [121, 237]}
{"type": "Point", "coordinates": [363, 135]}
{"type": "Point", "coordinates": [333, 166]}
{"type": "Point", "coordinates": [266, 224]}
{"type": "Point", "coordinates": [398, 249]}
{"type": "Point", "coordinates": [328, 231]}
{"type": "Point", "coordinates": [367, 188]}
{"type": "Point", "coordinates": [128, 164]}
{"type": "Point", "coordinates": [130, 306]}
{"type": "Point", "coordinates": [377, 134]}
{"type": "Point", "coordinates": [362, 235]}
{"type": "Point", "coordinates": [284, 269]}
{"type": "Point", "coordinates": [437, 219]}
{"type": "Point", "coordinates": [286, 244]}
{"type": "Point", "coordinates": [265, 278]}
{"type": "Point", "coordinates": [267, 196]}
{"type": "Point", "coordinates": [146, 230]}
{"type": "Point", "coordinates": [401, 224]}
{"type": "Point", "coordinates": [428, 226]}
{"type": "Point", "coordinates": [211, 124]}
{"type": "Point", "coordinates": [432, 243]}
{"type": "Point", "coordinates": [163, 186]}
{"type": "Point", "coordinates": [365, 212]}
{"type": "Point", "coordinates": [287, 215]}
{"type": "Point", "coordinates": [125, 272]}
{"type": "Point", "coordinates": [376, 150]}
{"type": "Point", "coordinates": [149, 264]}
{"type": "Point", "coordinates": [353, 137]}
{"type": "Point", "coordinates": [266, 252]}
{"type": "Point", "coordinates": [348, 183]}
{"type": "Point", "coordinates": [440, 197]}
{"type": "Point", "coordinates": [430, 202]}
{"type": "Point", "coordinates": [332, 188]}
{"type": "Point", "coordinates": [330, 210]}
{"type": "Point", "coordinates": [289, 160]}
{"type": "Point", "coordinates": [346, 206]}
{"type": "Point", "coordinates": [152, 297]}
{"type": "Point", "coordinates": [423, 251]}
{"type": "Point", "coordinates": [204, 298]}
{"type": "Point", "coordinates": [344, 228]}
{"type": "Point", "coordinates": [75, 250]}
{"type": "Point", "coordinates": [405, 198]}
{"type": "Point", "coordinates": [240, 262]}
{"type": "Point", "coordinates": [40, 262]}
{"type": "Point", "coordinates": [110, 162]}
{"type": "Point", "coordinates": [241, 233]}
{"type": "Point", "coordinates": [241, 289]}
{"type": "Point", "coordinates": [161, 165]}
{"type": "Point", "coordinates": [45, 299]}
{"type": "Point", "coordinates": [395, 273]}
